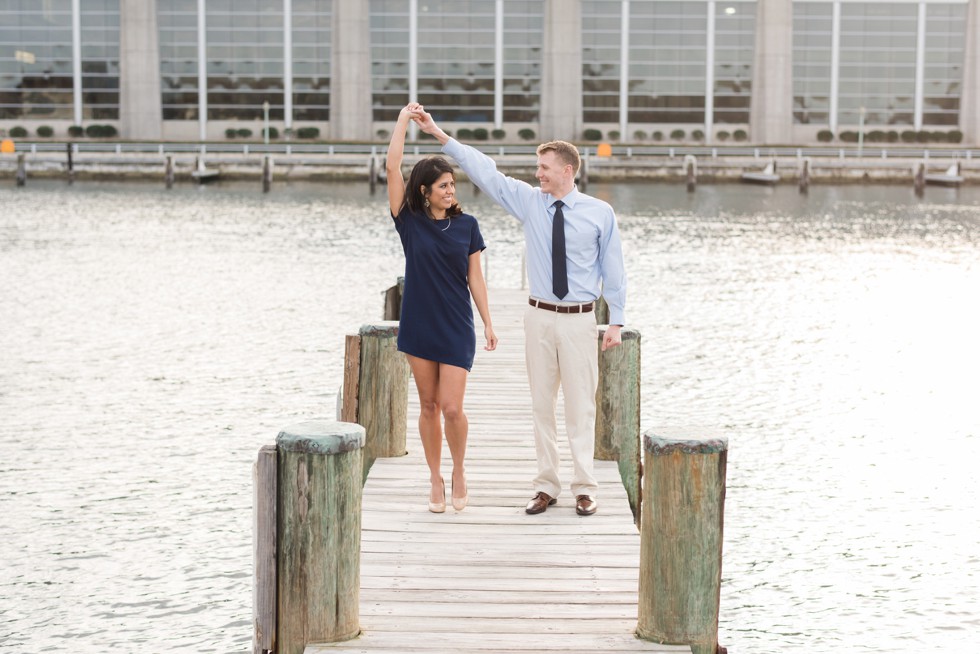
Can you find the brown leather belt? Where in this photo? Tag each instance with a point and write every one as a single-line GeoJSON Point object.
{"type": "Point", "coordinates": [574, 308]}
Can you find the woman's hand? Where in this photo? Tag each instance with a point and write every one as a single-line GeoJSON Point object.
{"type": "Point", "coordinates": [491, 338]}
{"type": "Point", "coordinates": [410, 111]}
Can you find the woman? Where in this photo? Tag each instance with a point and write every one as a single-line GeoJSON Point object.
{"type": "Point", "coordinates": [442, 269]}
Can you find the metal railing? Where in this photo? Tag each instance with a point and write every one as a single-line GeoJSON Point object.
{"type": "Point", "coordinates": [619, 151]}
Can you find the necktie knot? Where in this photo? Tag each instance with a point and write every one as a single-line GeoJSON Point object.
{"type": "Point", "coordinates": [559, 275]}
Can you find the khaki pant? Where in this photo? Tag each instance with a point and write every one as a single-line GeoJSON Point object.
{"type": "Point", "coordinates": [562, 349]}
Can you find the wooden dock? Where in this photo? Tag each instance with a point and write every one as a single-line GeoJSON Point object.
{"type": "Point", "coordinates": [492, 578]}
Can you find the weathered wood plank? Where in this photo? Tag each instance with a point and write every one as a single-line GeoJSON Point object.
{"type": "Point", "coordinates": [452, 624]}
{"type": "Point", "coordinates": [352, 377]}
{"type": "Point", "coordinates": [264, 551]}
{"type": "Point", "coordinates": [436, 641]}
{"type": "Point", "coordinates": [534, 576]}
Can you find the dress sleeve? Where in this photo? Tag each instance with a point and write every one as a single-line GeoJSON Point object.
{"type": "Point", "coordinates": [476, 239]}
{"type": "Point", "coordinates": [399, 220]}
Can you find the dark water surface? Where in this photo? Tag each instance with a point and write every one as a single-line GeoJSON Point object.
{"type": "Point", "coordinates": [151, 341]}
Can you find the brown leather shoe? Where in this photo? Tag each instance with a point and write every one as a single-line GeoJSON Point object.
{"type": "Point", "coordinates": [585, 505]}
{"type": "Point", "coordinates": [540, 503]}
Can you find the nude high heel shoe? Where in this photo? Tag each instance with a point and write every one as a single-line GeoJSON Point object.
{"type": "Point", "coordinates": [439, 507]}
{"type": "Point", "coordinates": [459, 503]}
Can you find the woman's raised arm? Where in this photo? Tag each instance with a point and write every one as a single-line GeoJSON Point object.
{"type": "Point", "coordinates": [396, 151]}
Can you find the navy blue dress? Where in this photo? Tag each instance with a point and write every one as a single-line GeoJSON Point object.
{"type": "Point", "coordinates": [436, 316]}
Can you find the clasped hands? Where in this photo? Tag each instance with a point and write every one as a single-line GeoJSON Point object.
{"type": "Point", "coordinates": [416, 113]}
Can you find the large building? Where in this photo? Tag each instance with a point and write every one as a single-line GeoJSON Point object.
{"type": "Point", "coordinates": [780, 71]}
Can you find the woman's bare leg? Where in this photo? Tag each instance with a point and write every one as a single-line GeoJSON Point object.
{"type": "Point", "coordinates": [426, 374]}
{"type": "Point", "coordinates": [452, 388]}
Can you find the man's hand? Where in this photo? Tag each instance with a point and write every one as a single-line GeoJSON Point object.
{"type": "Point", "coordinates": [410, 111]}
{"type": "Point", "coordinates": [427, 125]}
{"type": "Point", "coordinates": [612, 337]}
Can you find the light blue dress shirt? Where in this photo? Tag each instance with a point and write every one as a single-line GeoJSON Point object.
{"type": "Point", "coordinates": [593, 249]}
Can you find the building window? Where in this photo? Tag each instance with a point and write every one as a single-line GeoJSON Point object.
{"type": "Point", "coordinates": [601, 46]}
{"type": "Point", "coordinates": [456, 59]}
{"type": "Point", "coordinates": [943, 72]}
{"type": "Point", "coordinates": [877, 63]}
{"type": "Point", "coordinates": [177, 24]}
{"type": "Point", "coordinates": [36, 60]}
{"type": "Point", "coordinates": [523, 30]}
{"type": "Point", "coordinates": [100, 59]}
{"type": "Point", "coordinates": [734, 50]}
{"type": "Point", "coordinates": [812, 45]}
{"type": "Point", "coordinates": [389, 58]}
{"type": "Point", "coordinates": [667, 62]}
{"type": "Point", "coordinates": [244, 59]}
{"type": "Point", "coordinates": [311, 59]}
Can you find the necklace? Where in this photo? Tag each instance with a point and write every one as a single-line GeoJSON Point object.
{"type": "Point", "coordinates": [448, 219]}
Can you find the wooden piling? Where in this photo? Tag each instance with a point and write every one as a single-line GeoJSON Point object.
{"type": "Point", "coordinates": [393, 300]}
{"type": "Point", "coordinates": [691, 169]}
{"type": "Point", "coordinates": [21, 170]}
{"type": "Point", "coordinates": [617, 423]}
{"type": "Point", "coordinates": [919, 180]}
{"type": "Point", "coordinates": [266, 173]}
{"type": "Point", "coordinates": [70, 164]}
{"type": "Point", "coordinates": [319, 535]}
{"type": "Point", "coordinates": [168, 171]}
{"type": "Point", "coordinates": [681, 538]}
{"type": "Point", "coordinates": [804, 175]}
{"type": "Point", "coordinates": [264, 530]}
{"type": "Point", "coordinates": [601, 311]}
{"type": "Point", "coordinates": [382, 397]}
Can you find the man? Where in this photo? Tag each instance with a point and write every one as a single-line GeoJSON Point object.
{"type": "Point", "coordinates": [559, 324]}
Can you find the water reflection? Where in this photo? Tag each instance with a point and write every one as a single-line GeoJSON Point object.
{"type": "Point", "coordinates": [152, 340]}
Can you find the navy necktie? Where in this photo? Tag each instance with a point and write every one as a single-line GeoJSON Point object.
{"type": "Point", "coordinates": [559, 274]}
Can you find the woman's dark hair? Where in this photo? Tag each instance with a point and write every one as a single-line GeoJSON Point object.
{"type": "Point", "coordinates": [425, 173]}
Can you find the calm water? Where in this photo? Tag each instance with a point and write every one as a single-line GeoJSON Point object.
{"type": "Point", "coordinates": [151, 341]}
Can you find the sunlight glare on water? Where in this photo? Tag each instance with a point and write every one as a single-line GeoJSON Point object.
{"type": "Point", "coordinates": [151, 341]}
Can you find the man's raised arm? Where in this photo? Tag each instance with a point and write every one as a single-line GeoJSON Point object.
{"type": "Point", "coordinates": [512, 194]}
